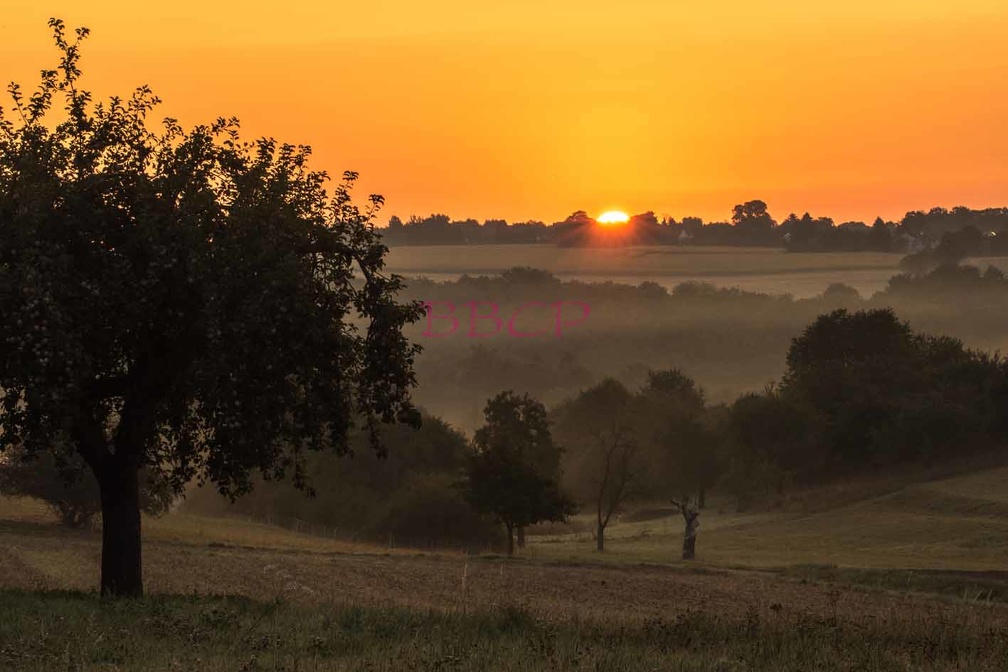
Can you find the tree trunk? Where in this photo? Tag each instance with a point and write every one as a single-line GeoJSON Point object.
{"type": "Point", "coordinates": [690, 535]}
{"type": "Point", "coordinates": [121, 568]}
{"type": "Point", "coordinates": [600, 537]}
{"type": "Point", "coordinates": [511, 541]}
{"type": "Point", "coordinates": [521, 537]}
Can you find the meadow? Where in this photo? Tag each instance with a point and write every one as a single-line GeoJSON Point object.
{"type": "Point", "coordinates": [907, 577]}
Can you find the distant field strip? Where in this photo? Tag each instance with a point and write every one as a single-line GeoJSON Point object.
{"type": "Point", "coordinates": [802, 274]}
{"type": "Point", "coordinates": [750, 269]}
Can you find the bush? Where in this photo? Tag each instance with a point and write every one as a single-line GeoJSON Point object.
{"type": "Point", "coordinates": [62, 481]}
{"type": "Point", "coordinates": [430, 511]}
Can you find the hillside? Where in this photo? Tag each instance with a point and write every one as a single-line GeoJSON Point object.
{"type": "Point", "coordinates": [957, 524]}
{"type": "Point", "coordinates": [231, 594]}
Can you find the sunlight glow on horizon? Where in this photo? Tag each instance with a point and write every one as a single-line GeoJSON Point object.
{"type": "Point", "coordinates": [849, 110]}
{"type": "Point", "coordinates": [613, 218]}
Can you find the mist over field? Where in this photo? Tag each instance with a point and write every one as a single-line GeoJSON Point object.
{"type": "Point", "coordinates": [683, 308]}
{"type": "Point", "coordinates": [253, 419]}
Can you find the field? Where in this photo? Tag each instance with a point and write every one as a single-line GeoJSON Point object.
{"type": "Point", "coordinates": [911, 578]}
{"type": "Point", "coordinates": [959, 523]}
{"type": "Point", "coordinates": [773, 271]}
{"type": "Point", "coordinates": [890, 575]}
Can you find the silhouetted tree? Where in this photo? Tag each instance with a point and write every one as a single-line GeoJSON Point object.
{"type": "Point", "coordinates": [886, 394]}
{"type": "Point", "coordinates": [773, 439]}
{"type": "Point", "coordinates": [841, 294]}
{"type": "Point", "coordinates": [601, 452]}
{"type": "Point", "coordinates": [692, 225]}
{"type": "Point", "coordinates": [752, 221]}
{"type": "Point", "coordinates": [685, 454]}
{"type": "Point", "coordinates": [509, 473]}
{"type": "Point", "coordinates": [684, 447]}
{"type": "Point", "coordinates": [184, 302]}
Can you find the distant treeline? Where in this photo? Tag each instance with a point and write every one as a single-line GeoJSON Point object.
{"type": "Point", "coordinates": [977, 232]}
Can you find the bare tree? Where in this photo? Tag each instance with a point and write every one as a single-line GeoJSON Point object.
{"type": "Point", "coordinates": [687, 506]}
{"type": "Point", "coordinates": [600, 449]}
{"type": "Point", "coordinates": [615, 479]}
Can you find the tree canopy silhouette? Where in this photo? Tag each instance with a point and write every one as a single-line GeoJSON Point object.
{"type": "Point", "coordinates": [512, 474]}
{"type": "Point", "coordinates": [183, 301]}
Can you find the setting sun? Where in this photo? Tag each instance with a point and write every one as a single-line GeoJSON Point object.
{"type": "Point", "coordinates": [613, 218]}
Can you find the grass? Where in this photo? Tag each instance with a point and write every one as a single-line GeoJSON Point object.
{"type": "Point", "coordinates": [970, 587]}
{"type": "Point", "coordinates": [874, 534]}
{"type": "Point", "coordinates": [989, 484]}
{"type": "Point", "coordinates": [903, 580]}
{"type": "Point", "coordinates": [958, 523]}
{"type": "Point", "coordinates": [74, 631]}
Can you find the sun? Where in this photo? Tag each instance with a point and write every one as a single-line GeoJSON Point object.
{"type": "Point", "coordinates": [613, 218]}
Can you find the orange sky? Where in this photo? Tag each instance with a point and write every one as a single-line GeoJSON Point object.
{"type": "Point", "coordinates": [532, 109]}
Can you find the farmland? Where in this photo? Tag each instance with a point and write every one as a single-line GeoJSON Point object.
{"type": "Point", "coordinates": [900, 573]}
{"type": "Point", "coordinates": [773, 271]}
{"type": "Point", "coordinates": [880, 582]}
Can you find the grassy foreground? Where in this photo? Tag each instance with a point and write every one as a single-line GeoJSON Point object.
{"type": "Point", "coordinates": [912, 578]}
{"type": "Point", "coordinates": [77, 631]}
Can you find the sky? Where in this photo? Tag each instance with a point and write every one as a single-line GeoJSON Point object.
{"type": "Point", "coordinates": [532, 109]}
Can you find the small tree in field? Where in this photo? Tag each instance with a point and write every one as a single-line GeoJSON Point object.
{"type": "Point", "coordinates": [507, 472]}
{"type": "Point", "coordinates": [684, 446]}
{"type": "Point", "coordinates": [182, 301]}
{"type": "Point", "coordinates": [687, 506]}
{"type": "Point", "coordinates": [602, 453]}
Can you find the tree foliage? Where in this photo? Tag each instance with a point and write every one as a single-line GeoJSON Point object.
{"type": "Point", "coordinates": [183, 301]}
{"type": "Point", "coordinates": [512, 474]}
{"type": "Point", "coordinates": [409, 497]}
{"type": "Point", "coordinates": [873, 392]}
{"type": "Point", "coordinates": [685, 445]}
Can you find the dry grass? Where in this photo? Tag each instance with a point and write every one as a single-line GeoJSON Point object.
{"type": "Point", "coordinates": [990, 485]}
{"type": "Point", "coordinates": [78, 632]}
{"type": "Point", "coordinates": [638, 576]}
{"type": "Point", "coordinates": [328, 605]}
{"type": "Point", "coordinates": [895, 531]}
